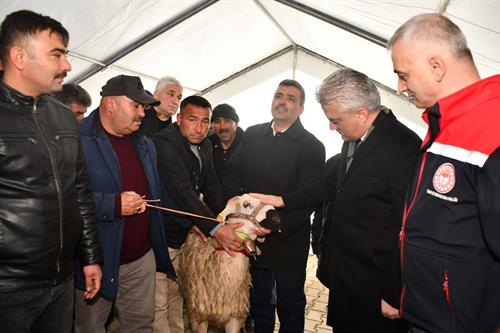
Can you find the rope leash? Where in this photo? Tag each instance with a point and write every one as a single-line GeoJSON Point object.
{"type": "Point", "coordinates": [180, 212]}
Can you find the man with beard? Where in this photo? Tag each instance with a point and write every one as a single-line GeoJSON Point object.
{"type": "Point", "coordinates": [360, 253]}
{"type": "Point", "coordinates": [169, 92]}
{"type": "Point", "coordinates": [227, 135]}
{"type": "Point", "coordinates": [278, 157]}
{"type": "Point", "coordinates": [123, 171]}
{"type": "Point", "coordinates": [47, 213]}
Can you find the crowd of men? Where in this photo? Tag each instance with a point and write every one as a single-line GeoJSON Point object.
{"type": "Point", "coordinates": [409, 235]}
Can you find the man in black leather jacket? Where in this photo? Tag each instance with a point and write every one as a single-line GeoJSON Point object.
{"type": "Point", "coordinates": [46, 205]}
{"type": "Point", "coordinates": [186, 167]}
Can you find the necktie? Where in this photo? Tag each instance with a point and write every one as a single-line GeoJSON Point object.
{"type": "Point", "coordinates": [353, 145]}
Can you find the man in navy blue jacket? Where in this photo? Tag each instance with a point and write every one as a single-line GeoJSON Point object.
{"type": "Point", "coordinates": [123, 170]}
{"type": "Point", "coordinates": [450, 238]}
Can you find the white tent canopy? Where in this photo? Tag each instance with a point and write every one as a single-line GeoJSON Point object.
{"type": "Point", "coordinates": [236, 51]}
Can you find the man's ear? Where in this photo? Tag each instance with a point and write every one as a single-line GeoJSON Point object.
{"type": "Point", "coordinates": [362, 114]}
{"type": "Point", "coordinates": [110, 104]}
{"type": "Point", "coordinates": [301, 109]}
{"type": "Point", "coordinates": [437, 68]}
{"type": "Point", "coordinates": [18, 57]}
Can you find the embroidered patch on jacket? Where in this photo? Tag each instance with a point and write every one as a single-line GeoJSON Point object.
{"type": "Point", "coordinates": [444, 178]}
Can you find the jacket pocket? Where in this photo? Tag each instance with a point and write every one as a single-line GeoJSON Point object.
{"type": "Point", "coordinates": [447, 297]}
{"type": "Point", "coordinates": [10, 144]}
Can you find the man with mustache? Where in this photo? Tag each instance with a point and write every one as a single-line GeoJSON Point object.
{"type": "Point", "coordinates": [226, 137]}
{"type": "Point", "coordinates": [123, 171]}
{"type": "Point", "coordinates": [276, 157]}
{"type": "Point", "coordinates": [47, 213]}
{"type": "Point", "coordinates": [169, 92]}
{"type": "Point", "coordinates": [360, 258]}
{"type": "Point", "coordinates": [450, 240]}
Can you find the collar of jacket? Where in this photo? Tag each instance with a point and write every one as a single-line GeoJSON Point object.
{"type": "Point", "coordinates": [12, 96]}
{"type": "Point", "coordinates": [464, 100]}
{"type": "Point", "coordinates": [92, 125]}
{"type": "Point", "coordinates": [294, 131]}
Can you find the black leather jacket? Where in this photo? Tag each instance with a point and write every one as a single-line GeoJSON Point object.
{"type": "Point", "coordinates": [185, 180]}
{"type": "Point", "coordinates": [46, 204]}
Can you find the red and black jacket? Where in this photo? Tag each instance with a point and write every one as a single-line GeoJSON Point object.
{"type": "Point", "coordinates": [450, 239]}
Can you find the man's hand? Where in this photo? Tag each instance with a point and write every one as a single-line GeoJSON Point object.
{"type": "Point", "coordinates": [388, 311]}
{"type": "Point", "coordinates": [93, 276]}
{"type": "Point", "coordinates": [261, 231]}
{"type": "Point", "coordinates": [132, 203]}
{"type": "Point", "coordinates": [269, 199]}
{"type": "Point", "coordinates": [228, 239]}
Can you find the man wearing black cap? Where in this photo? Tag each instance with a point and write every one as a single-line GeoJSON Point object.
{"type": "Point", "coordinates": [123, 171]}
{"type": "Point", "coordinates": [227, 135]}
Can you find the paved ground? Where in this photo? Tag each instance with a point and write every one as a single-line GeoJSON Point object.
{"type": "Point", "coordinates": [317, 299]}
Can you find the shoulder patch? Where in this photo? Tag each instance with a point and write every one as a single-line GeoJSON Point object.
{"type": "Point", "coordinates": [444, 178]}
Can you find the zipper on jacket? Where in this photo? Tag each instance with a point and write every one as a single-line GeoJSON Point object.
{"type": "Point", "coordinates": [403, 226]}
{"type": "Point", "coordinates": [57, 184]}
{"type": "Point", "coordinates": [447, 296]}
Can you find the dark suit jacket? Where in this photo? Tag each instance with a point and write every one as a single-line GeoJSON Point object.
{"type": "Point", "coordinates": [362, 234]}
{"type": "Point", "coordinates": [277, 164]}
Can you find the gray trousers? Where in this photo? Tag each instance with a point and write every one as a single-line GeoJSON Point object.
{"type": "Point", "coordinates": [169, 303]}
{"type": "Point", "coordinates": [135, 301]}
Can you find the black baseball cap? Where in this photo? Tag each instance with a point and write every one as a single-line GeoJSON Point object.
{"type": "Point", "coordinates": [130, 86]}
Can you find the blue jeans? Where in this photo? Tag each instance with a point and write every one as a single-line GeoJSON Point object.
{"type": "Point", "coordinates": [281, 291]}
{"type": "Point", "coordinates": [48, 309]}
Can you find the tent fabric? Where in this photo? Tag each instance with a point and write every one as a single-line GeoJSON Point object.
{"type": "Point", "coordinates": [221, 49]}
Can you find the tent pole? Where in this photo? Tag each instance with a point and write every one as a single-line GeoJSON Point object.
{"type": "Point", "coordinates": [335, 21]}
{"type": "Point", "coordinates": [144, 39]}
{"type": "Point", "coordinates": [294, 66]}
{"type": "Point", "coordinates": [442, 6]}
{"type": "Point", "coordinates": [274, 21]}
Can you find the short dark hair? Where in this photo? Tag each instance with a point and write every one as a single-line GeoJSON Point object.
{"type": "Point", "coordinates": [195, 100]}
{"type": "Point", "coordinates": [296, 84]}
{"type": "Point", "coordinates": [72, 92]}
{"type": "Point", "coordinates": [23, 24]}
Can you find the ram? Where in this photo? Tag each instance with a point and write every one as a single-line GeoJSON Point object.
{"type": "Point", "coordinates": [215, 285]}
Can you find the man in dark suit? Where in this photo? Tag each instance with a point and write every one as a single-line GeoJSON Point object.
{"type": "Point", "coordinates": [277, 157]}
{"type": "Point", "coordinates": [361, 237]}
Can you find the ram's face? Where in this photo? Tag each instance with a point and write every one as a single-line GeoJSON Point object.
{"type": "Point", "coordinates": [249, 211]}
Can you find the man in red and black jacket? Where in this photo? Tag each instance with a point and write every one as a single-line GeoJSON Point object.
{"type": "Point", "coordinates": [450, 239]}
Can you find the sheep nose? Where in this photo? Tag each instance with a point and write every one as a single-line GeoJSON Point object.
{"type": "Point", "coordinates": [272, 220]}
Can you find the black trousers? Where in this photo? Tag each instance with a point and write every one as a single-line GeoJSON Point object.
{"type": "Point", "coordinates": [39, 310]}
{"type": "Point", "coordinates": [278, 291]}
